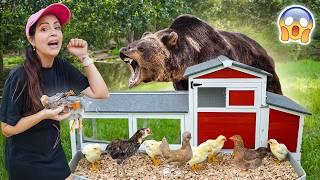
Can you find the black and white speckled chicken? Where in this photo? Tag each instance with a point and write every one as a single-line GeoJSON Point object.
{"type": "Point", "coordinates": [121, 150]}
{"type": "Point", "coordinates": [70, 102]}
{"type": "Point", "coordinates": [57, 100]}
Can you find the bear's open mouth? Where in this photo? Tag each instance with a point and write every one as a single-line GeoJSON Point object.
{"type": "Point", "coordinates": [134, 68]}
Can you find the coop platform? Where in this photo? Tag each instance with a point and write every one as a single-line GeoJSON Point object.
{"type": "Point", "coordinates": [277, 172]}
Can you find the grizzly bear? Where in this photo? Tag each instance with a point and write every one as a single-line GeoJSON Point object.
{"type": "Point", "coordinates": [165, 55]}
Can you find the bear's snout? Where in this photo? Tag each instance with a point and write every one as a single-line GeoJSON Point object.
{"type": "Point", "coordinates": [124, 49]}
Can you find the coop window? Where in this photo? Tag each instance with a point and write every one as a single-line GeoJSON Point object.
{"type": "Point", "coordinates": [241, 97]}
{"type": "Point", "coordinates": [212, 97]}
{"type": "Point", "coordinates": [169, 128]}
{"type": "Point", "coordinates": [106, 129]}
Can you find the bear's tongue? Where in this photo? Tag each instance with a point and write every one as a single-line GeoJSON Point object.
{"type": "Point", "coordinates": [135, 73]}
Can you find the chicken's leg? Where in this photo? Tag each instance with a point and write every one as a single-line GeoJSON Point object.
{"type": "Point", "coordinates": [277, 161]}
{"type": "Point", "coordinates": [118, 171]}
{"type": "Point", "coordinates": [156, 161]}
{"type": "Point", "coordinates": [79, 124]}
{"type": "Point", "coordinates": [123, 171]}
{"type": "Point", "coordinates": [213, 159]}
{"type": "Point", "coordinates": [94, 166]}
{"type": "Point", "coordinates": [73, 126]}
{"type": "Point", "coordinates": [197, 167]}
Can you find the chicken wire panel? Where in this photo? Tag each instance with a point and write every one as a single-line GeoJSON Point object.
{"type": "Point", "coordinates": [169, 128]}
{"type": "Point", "coordinates": [106, 129]}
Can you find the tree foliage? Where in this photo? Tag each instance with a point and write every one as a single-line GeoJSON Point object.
{"type": "Point", "coordinates": [101, 22]}
{"type": "Point", "coordinates": [258, 19]}
{"type": "Point", "coordinates": [95, 21]}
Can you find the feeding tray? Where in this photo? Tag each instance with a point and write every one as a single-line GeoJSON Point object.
{"type": "Point", "coordinates": [139, 166]}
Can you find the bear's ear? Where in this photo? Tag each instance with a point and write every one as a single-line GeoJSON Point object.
{"type": "Point", "coordinates": [185, 23]}
{"type": "Point", "coordinates": [170, 39]}
{"type": "Point", "coordinates": [145, 33]}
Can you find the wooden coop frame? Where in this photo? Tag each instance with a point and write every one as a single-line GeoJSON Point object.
{"type": "Point", "coordinates": [151, 110]}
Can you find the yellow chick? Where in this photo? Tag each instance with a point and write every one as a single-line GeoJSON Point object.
{"type": "Point", "coordinates": [92, 152]}
{"type": "Point", "coordinates": [216, 146]}
{"type": "Point", "coordinates": [153, 150]}
{"type": "Point", "coordinates": [200, 154]}
{"type": "Point", "coordinates": [280, 151]}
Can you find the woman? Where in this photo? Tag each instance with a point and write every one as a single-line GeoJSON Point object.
{"type": "Point", "coordinates": [33, 132]}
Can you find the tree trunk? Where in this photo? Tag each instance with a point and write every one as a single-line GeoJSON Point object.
{"type": "Point", "coordinates": [1, 68]}
{"type": "Point", "coordinates": [130, 34]}
{"type": "Point", "coordinates": [1, 60]}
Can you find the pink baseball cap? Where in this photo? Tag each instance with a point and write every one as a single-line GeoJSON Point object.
{"type": "Point", "coordinates": [61, 11]}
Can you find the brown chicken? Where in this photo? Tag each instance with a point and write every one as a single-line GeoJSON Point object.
{"type": "Point", "coordinates": [180, 156]}
{"type": "Point", "coordinates": [121, 150]}
{"type": "Point", "coordinates": [247, 158]}
{"type": "Point", "coordinates": [70, 102]}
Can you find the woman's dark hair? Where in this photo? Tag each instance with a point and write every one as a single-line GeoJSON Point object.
{"type": "Point", "coordinates": [32, 68]}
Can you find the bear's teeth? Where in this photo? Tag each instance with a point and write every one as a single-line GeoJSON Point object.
{"type": "Point", "coordinates": [130, 61]}
{"type": "Point", "coordinates": [126, 60]}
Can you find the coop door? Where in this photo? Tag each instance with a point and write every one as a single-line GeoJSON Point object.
{"type": "Point", "coordinates": [214, 116]}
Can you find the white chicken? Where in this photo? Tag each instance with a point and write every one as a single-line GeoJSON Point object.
{"type": "Point", "coordinates": [280, 151]}
{"type": "Point", "coordinates": [92, 152]}
{"type": "Point", "coordinates": [216, 146]}
{"type": "Point", "coordinates": [153, 150]}
{"type": "Point", "coordinates": [200, 154]}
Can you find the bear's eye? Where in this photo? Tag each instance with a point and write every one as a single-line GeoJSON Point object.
{"type": "Point", "coordinates": [140, 48]}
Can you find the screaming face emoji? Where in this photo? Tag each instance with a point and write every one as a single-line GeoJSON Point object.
{"type": "Point", "coordinates": [296, 24]}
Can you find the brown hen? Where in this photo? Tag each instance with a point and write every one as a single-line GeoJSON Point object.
{"type": "Point", "coordinates": [247, 158]}
{"type": "Point", "coordinates": [180, 156]}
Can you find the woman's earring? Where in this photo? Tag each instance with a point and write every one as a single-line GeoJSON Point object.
{"type": "Point", "coordinates": [34, 49]}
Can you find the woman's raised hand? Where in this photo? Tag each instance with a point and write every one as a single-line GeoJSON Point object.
{"type": "Point", "coordinates": [78, 47]}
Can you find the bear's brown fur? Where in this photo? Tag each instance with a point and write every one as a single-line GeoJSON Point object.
{"type": "Point", "coordinates": [165, 55]}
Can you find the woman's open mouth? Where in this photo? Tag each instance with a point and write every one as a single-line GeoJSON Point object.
{"type": "Point", "coordinates": [134, 68]}
{"type": "Point", "coordinates": [53, 44]}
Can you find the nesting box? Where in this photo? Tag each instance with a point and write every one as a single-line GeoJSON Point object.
{"type": "Point", "coordinates": [227, 97]}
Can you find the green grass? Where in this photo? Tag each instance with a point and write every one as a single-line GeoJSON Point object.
{"type": "Point", "coordinates": [300, 81]}
{"type": "Point", "coordinates": [114, 52]}
{"type": "Point", "coordinates": [169, 128]}
{"type": "Point", "coordinates": [107, 129]}
{"type": "Point", "coordinates": [12, 60]}
{"type": "Point", "coordinates": [113, 129]}
{"type": "Point", "coordinates": [153, 86]}
{"type": "Point", "coordinates": [3, 172]}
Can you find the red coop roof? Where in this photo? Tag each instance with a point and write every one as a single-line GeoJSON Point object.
{"type": "Point", "coordinates": [218, 62]}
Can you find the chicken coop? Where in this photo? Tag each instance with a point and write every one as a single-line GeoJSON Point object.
{"type": "Point", "coordinates": [227, 97]}
{"type": "Point", "coordinates": [224, 97]}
